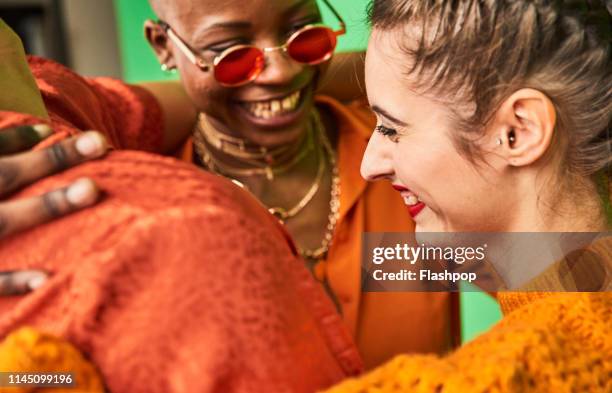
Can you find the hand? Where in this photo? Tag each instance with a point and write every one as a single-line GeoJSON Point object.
{"type": "Point", "coordinates": [22, 169]}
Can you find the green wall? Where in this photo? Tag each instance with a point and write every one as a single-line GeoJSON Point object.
{"type": "Point", "coordinates": [478, 310]}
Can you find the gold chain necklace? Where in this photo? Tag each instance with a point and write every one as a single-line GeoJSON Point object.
{"type": "Point", "coordinates": [334, 202]}
{"type": "Point", "coordinates": [281, 213]}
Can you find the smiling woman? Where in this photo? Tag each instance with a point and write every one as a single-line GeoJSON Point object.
{"type": "Point", "coordinates": [253, 74]}
{"type": "Point", "coordinates": [499, 121]}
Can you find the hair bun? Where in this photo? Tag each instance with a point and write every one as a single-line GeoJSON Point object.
{"type": "Point", "coordinates": [595, 14]}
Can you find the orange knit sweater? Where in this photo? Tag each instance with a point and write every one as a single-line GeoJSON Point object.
{"type": "Point", "coordinates": [546, 342]}
{"type": "Point", "coordinates": [553, 343]}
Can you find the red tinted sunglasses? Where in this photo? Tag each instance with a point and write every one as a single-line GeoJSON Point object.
{"type": "Point", "coordinates": [312, 44]}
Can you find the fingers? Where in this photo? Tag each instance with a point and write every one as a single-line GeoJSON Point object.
{"type": "Point", "coordinates": [16, 139]}
{"type": "Point", "coordinates": [22, 214]}
{"type": "Point", "coordinates": [22, 169]}
{"type": "Point", "coordinates": [21, 282]}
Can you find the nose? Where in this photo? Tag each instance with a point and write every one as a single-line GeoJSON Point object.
{"type": "Point", "coordinates": [279, 69]}
{"type": "Point", "coordinates": [377, 163]}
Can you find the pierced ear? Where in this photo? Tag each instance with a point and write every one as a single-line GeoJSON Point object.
{"type": "Point", "coordinates": [525, 123]}
{"type": "Point", "coordinates": [158, 39]}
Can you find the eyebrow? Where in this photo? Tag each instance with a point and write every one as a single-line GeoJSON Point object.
{"type": "Point", "coordinates": [380, 111]}
{"type": "Point", "coordinates": [238, 24]}
{"type": "Point", "coordinates": [243, 25]}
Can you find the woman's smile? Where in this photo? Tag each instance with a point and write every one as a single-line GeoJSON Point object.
{"type": "Point", "coordinates": [277, 111]}
{"type": "Point", "coordinates": [415, 205]}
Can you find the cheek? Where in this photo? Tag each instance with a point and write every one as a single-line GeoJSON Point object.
{"type": "Point", "coordinates": [319, 73]}
{"type": "Point", "coordinates": [423, 164]}
{"type": "Point", "coordinates": [206, 94]}
{"type": "Point", "coordinates": [459, 196]}
{"type": "Point", "coordinates": [437, 174]}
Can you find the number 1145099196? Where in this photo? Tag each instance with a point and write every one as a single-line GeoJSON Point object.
{"type": "Point", "coordinates": [36, 379]}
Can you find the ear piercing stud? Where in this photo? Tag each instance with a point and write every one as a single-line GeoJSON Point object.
{"type": "Point", "coordinates": [511, 139]}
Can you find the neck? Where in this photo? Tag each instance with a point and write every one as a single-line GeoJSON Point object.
{"type": "Point", "coordinates": [570, 206]}
{"type": "Point", "coordinates": [548, 227]}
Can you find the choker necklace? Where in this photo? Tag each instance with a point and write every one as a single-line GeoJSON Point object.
{"type": "Point", "coordinates": [256, 169]}
{"type": "Point", "coordinates": [203, 137]}
{"type": "Point", "coordinates": [237, 147]}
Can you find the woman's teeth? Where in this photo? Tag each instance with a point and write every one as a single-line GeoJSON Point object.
{"type": "Point", "coordinates": [274, 108]}
{"type": "Point", "coordinates": [411, 200]}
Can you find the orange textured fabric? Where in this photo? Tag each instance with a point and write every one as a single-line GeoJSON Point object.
{"type": "Point", "coordinates": [177, 281]}
{"type": "Point", "coordinates": [129, 116]}
{"type": "Point", "coordinates": [383, 324]}
{"type": "Point", "coordinates": [558, 343]}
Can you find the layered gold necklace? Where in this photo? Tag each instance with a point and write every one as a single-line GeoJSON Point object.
{"type": "Point", "coordinates": [256, 160]}
{"type": "Point", "coordinates": [260, 161]}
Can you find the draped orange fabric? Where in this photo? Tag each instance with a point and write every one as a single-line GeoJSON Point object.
{"type": "Point", "coordinates": [177, 281]}
{"type": "Point", "coordinates": [383, 324]}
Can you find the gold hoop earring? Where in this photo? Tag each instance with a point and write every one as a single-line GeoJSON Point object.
{"type": "Point", "coordinates": [165, 68]}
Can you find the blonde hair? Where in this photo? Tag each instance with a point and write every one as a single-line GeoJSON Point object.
{"type": "Point", "coordinates": [484, 50]}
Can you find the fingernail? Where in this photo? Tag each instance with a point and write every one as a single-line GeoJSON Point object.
{"type": "Point", "coordinates": [91, 144]}
{"type": "Point", "coordinates": [83, 192]}
{"type": "Point", "coordinates": [43, 130]}
{"type": "Point", "coordinates": [37, 281]}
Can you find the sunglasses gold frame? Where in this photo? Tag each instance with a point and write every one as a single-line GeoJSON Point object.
{"type": "Point", "coordinates": [207, 66]}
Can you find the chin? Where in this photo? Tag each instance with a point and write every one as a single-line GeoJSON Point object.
{"type": "Point", "coordinates": [432, 224]}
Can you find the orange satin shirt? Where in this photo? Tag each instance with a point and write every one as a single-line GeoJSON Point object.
{"type": "Point", "coordinates": [383, 324]}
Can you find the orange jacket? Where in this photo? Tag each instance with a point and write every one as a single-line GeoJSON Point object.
{"type": "Point", "coordinates": [177, 281]}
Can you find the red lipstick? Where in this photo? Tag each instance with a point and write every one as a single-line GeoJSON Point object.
{"type": "Point", "coordinates": [416, 209]}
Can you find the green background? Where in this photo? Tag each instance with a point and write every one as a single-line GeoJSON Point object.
{"type": "Point", "coordinates": [139, 64]}
{"type": "Point", "coordinates": [478, 310]}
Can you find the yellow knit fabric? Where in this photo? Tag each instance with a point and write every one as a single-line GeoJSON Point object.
{"type": "Point", "coordinates": [28, 350]}
{"type": "Point", "coordinates": [546, 342]}
{"type": "Point", "coordinates": [550, 343]}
